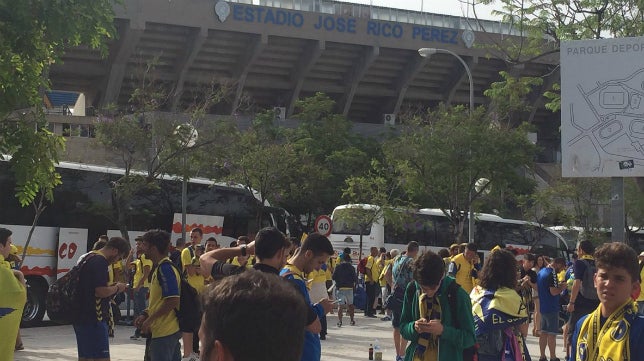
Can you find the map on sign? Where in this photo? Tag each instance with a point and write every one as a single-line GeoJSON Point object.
{"type": "Point", "coordinates": [602, 108]}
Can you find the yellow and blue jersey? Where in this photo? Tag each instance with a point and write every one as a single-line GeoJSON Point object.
{"type": "Point", "coordinates": [164, 284]}
{"type": "Point", "coordinates": [312, 350]}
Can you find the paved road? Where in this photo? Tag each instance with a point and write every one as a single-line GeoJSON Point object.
{"type": "Point", "coordinates": [346, 343]}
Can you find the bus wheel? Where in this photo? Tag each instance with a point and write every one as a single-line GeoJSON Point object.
{"type": "Point", "coordinates": [35, 306]}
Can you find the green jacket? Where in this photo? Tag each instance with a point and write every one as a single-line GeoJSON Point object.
{"type": "Point", "coordinates": [453, 340]}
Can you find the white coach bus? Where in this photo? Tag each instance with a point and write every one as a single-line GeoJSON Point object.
{"type": "Point", "coordinates": [433, 230]}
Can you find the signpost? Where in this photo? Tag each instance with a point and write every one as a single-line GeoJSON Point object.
{"type": "Point", "coordinates": [323, 225]}
{"type": "Point", "coordinates": [602, 115]}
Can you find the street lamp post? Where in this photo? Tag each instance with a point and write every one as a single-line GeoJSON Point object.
{"type": "Point", "coordinates": [188, 136]}
{"type": "Point", "coordinates": [426, 53]}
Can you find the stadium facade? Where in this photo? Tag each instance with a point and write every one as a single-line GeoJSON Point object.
{"type": "Point", "coordinates": [274, 52]}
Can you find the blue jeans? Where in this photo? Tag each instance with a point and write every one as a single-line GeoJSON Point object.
{"type": "Point", "coordinates": [140, 304]}
{"type": "Point", "coordinates": [166, 348]}
{"type": "Point", "coordinates": [140, 300]}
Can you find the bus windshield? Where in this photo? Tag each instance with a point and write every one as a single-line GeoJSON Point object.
{"type": "Point", "coordinates": [350, 220]}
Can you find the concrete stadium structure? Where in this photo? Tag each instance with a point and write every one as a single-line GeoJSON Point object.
{"type": "Point", "coordinates": [274, 52]}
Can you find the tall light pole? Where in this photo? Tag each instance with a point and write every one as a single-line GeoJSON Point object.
{"type": "Point", "coordinates": [426, 53]}
{"type": "Point", "coordinates": [188, 138]}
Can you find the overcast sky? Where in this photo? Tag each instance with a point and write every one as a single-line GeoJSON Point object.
{"type": "Point", "coordinates": [447, 7]}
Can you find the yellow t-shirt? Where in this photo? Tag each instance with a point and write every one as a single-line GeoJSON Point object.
{"type": "Point", "coordinates": [197, 281]}
{"type": "Point", "coordinates": [141, 263]}
{"type": "Point", "coordinates": [249, 262]}
{"type": "Point", "coordinates": [561, 276]}
{"type": "Point", "coordinates": [373, 263]}
{"type": "Point", "coordinates": [12, 301]}
{"type": "Point", "coordinates": [383, 272]}
{"type": "Point", "coordinates": [162, 287]}
{"type": "Point", "coordinates": [331, 264]}
{"type": "Point", "coordinates": [317, 276]}
{"type": "Point", "coordinates": [641, 296]}
{"type": "Point", "coordinates": [464, 272]}
{"type": "Point", "coordinates": [112, 270]}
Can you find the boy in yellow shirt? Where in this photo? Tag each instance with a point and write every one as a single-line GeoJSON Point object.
{"type": "Point", "coordinates": [159, 320]}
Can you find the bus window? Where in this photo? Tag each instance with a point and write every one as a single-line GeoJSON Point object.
{"type": "Point", "coordinates": [545, 243]}
{"type": "Point", "coordinates": [488, 235]}
{"type": "Point", "coordinates": [415, 227]}
{"type": "Point", "coordinates": [444, 232]}
{"type": "Point", "coordinates": [347, 221]}
{"type": "Point", "coordinates": [515, 234]}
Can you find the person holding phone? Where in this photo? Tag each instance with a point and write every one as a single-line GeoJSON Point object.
{"type": "Point", "coordinates": [435, 332]}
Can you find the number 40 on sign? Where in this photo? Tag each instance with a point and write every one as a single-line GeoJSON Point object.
{"type": "Point", "coordinates": [323, 225]}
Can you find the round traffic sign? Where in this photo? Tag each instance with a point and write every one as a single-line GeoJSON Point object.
{"type": "Point", "coordinates": [323, 225]}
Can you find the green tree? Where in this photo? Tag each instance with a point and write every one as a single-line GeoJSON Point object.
{"type": "Point", "coordinates": [35, 34]}
{"type": "Point", "coordinates": [262, 161]}
{"type": "Point", "coordinates": [376, 195]}
{"type": "Point", "coordinates": [569, 202]}
{"type": "Point", "coordinates": [447, 150]}
{"type": "Point", "coordinates": [329, 152]}
{"type": "Point", "coordinates": [151, 143]}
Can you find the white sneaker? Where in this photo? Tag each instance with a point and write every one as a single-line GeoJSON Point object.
{"type": "Point", "coordinates": [192, 357]}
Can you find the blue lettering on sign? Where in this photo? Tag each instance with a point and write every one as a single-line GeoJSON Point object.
{"type": "Point", "coordinates": [431, 34]}
{"type": "Point", "coordinates": [331, 23]}
{"type": "Point", "coordinates": [267, 16]}
{"type": "Point", "coordinates": [384, 29]}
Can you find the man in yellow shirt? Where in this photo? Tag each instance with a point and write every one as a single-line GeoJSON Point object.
{"type": "Point", "coordinates": [462, 267]}
{"type": "Point", "coordinates": [371, 282]}
{"type": "Point", "coordinates": [316, 282]}
{"type": "Point", "coordinates": [160, 320]}
{"type": "Point", "coordinates": [12, 298]}
{"type": "Point", "coordinates": [140, 283]}
{"type": "Point", "coordinates": [192, 270]}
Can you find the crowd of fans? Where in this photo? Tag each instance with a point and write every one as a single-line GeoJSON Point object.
{"type": "Point", "coordinates": [443, 306]}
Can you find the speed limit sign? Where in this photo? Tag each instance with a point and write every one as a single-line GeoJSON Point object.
{"type": "Point", "coordinates": [323, 225]}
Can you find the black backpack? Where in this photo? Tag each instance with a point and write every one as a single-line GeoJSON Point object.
{"type": "Point", "coordinates": [62, 296]}
{"type": "Point", "coordinates": [588, 289]}
{"type": "Point", "coordinates": [189, 312]}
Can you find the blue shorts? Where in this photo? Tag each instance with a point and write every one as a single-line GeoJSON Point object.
{"type": "Point", "coordinates": [550, 322]}
{"type": "Point", "coordinates": [395, 318]}
{"type": "Point", "coordinates": [345, 297]}
{"type": "Point", "coordinates": [92, 340]}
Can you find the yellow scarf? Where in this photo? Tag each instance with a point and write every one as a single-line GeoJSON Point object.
{"type": "Point", "coordinates": [427, 349]}
{"type": "Point", "coordinates": [607, 342]}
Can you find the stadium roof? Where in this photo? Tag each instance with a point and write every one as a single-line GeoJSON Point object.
{"type": "Point", "coordinates": [364, 57]}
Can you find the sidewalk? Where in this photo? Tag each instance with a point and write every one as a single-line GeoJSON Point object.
{"type": "Point", "coordinates": [345, 343]}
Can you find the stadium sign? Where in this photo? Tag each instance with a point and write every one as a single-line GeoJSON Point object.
{"type": "Point", "coordinates": [333, 24]}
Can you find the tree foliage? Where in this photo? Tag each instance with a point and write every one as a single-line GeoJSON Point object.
{"type": "Point", "coordinates": [152, 144]}
{"type": "Point", "coordinates": [329, 151]}
{"type": "Point", "coordinates": [34, 35]}
{"type": "Point", "coordinates": [446, 151]}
